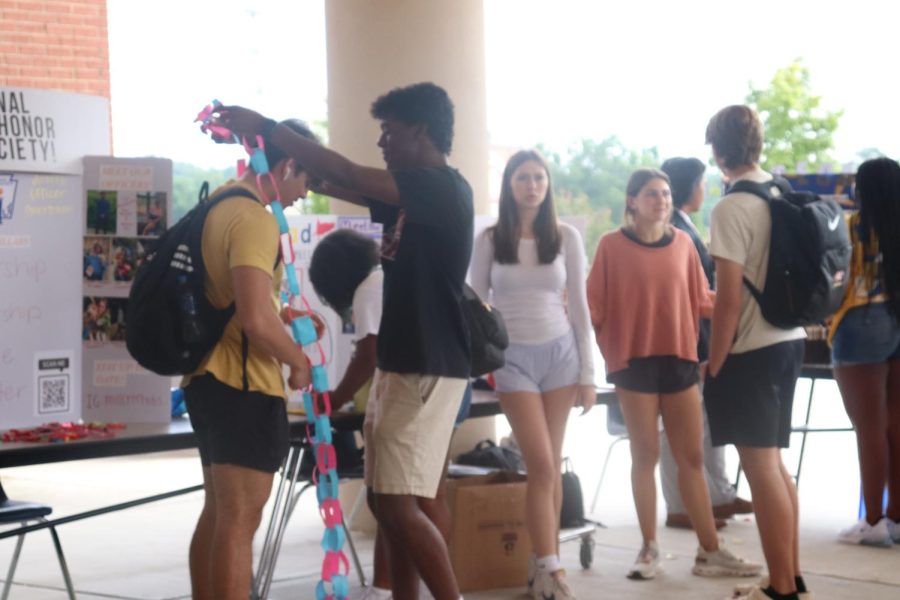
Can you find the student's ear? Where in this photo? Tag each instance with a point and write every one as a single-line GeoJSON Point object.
{"type": "Point", "coordinates": [288, 169]}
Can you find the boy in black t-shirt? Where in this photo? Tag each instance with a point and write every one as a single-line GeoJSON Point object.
{"type": "Point", "coordinates": [423, 343]}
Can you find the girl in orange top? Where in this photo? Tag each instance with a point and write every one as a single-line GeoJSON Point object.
{"type": "Point", "coordinates": [647, 292]}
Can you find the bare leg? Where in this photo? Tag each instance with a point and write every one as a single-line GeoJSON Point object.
{"type": "Point", "coordinates": [775, 516]}
{"type": "Point", "coordinates": [558, 405]}
{"type": "Point", "coordinates": [641, 412]}
{"type": "Point", "coordinates": [683, 422]}
{"type": "Point", "coordinates": [240, 494]}
{"type": "Point", "coordinates": [893, 411]}
{"type": "Point", "coordinates": [381, 575]}
{"type": "Point", "coordinates": [864, 390]}
{"type": "Point", "coordinates": [201, 544]}
{"type": "Point", "coordinates": [525, 411]}
{"type": "Point", "coordinates": [414, 538]}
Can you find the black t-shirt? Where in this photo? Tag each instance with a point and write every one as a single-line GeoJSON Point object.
{"type": "Point", "coordinates": [425, 255]}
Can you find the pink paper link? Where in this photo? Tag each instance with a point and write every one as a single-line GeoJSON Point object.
{"type": "Point", "coordinates": [331, 513]}
{"type": "Point", "coordinates": [326, 457]}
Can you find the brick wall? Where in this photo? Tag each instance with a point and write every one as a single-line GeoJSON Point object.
{"type": "Point", "coordinates": [55, 45]}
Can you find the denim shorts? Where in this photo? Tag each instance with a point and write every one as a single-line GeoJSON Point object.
{"type": "Point", "coordinates": [866, 334]}
{"type": "Point", "coordinates": [540, 367]}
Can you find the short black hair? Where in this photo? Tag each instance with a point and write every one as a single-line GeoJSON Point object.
{"type": "Point", "coordinates": [420, 104]}
{"type": "Point", "coordinates": [275, 155]}
{"type": "Point", "coordinates": [684, 175]}
{"type": "Point", "coordinates": [341, 261]}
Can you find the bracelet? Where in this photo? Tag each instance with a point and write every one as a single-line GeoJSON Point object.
{"type": "Point", "coordinates": [267, 127]}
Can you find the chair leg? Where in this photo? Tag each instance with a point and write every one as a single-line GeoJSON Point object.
{"type": "Point", "coordinates": [354, 555]}
{"type": "Point", "coordinates": [12, 565]}
{"type": "Point", "coordinates": [62, 563]}
{"type": "Point", "coordinates": [603, 471]}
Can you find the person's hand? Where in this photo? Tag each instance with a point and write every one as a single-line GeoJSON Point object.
{"type": "Point", "coordinates": [299, 378]}
{"type": "Point", "coordinates": [288, 314]}
{"type": "Point", "coordinates": [242, 121]}
{"type": "Point", "coordinates": [586, 398]}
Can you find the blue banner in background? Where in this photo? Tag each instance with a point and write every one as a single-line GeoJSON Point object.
{"type": "Point", "coordinates": [840, 187]}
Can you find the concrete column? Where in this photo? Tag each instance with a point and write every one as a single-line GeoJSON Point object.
{"type": "Point", "coordinates": [377, 45]}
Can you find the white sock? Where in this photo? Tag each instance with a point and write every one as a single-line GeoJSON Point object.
{"type": "Point", "coordinates": [549, 563]}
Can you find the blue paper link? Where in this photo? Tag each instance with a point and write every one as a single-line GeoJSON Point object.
{"type": "Point", "coordinates": [322, 435]}
{"type": "Point", "coordinates": [333, 539]}
{"type": "Point", "coordinates": [258, 161]}
{"type": "Point", "coordinates": [320, 378]}
{"type": "Point", "coordinates": [304, 330]}
{"type": "Point", "coordinates": [321, 593]}
{"type": "Point", "coordinates": [328, 486]}
{"type": "Point", "coordinates": [278, 211]}
{"type": "Point", "coordinates": [293, 284]}
{"type": "Point", "coordinates": [340, 586]}
{"type": "Point", "coordinates": [308, 404]}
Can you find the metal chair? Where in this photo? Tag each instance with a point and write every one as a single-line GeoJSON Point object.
{"type": "Point", "coordinates": [23, 513]}
{"type": "Point", "coordinates": [615, 426]}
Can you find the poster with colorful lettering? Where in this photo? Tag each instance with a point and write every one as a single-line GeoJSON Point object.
{"type": "Point", "coordinates": [40, 368]}
{"type": "Point", "coordinates": [126, 203]}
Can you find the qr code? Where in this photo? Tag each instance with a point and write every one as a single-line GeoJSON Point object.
{"type": "Point", "coordinates": [53, 393]}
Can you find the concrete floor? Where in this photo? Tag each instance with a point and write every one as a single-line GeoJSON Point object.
{"type": "Point", "coordinates": [140, 553]}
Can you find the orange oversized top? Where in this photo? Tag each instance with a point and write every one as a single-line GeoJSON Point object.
{"type": "Point", "coordinates": [647, 300]}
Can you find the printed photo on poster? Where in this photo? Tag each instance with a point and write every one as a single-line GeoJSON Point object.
{"type": "Point", "coordinates": [125, 256]}
{"type": "Point", "coordinates": [102, 206]}
{"type": "Point", "coordinates": [95, 262]}
{"type": "Point", "coordinates": [151, 214]}
{"type": "Point", "coordinates": [103, 320]}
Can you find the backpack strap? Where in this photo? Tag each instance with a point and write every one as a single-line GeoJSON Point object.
{"type": "Point", "coordinates": [764, 192]}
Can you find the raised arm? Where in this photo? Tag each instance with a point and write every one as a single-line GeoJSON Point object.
{"type": "Point", "coordinates": [319, 161]}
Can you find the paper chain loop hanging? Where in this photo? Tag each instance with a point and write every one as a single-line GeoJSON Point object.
{"type": "Point", "coordinates": [335, 566]}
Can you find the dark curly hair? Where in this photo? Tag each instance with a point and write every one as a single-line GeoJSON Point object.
{"type": "Point", "coordinates": [341, 261]}
{"type": "Point", "coordinates": [420, 104]}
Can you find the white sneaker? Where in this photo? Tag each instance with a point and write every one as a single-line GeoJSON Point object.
{"type": "Point", "coordinates": [374, 593]}
{"type": "Point", "coordinates": [893, 528]}
{"type": "Point", "coordinates": [646, 565]}
{"type": "Point", "coordinates": [867, 535]}
{"type": "Point", "coordinates": [722, 563]}
{"type": "Point", "coordinates": [551, 586]}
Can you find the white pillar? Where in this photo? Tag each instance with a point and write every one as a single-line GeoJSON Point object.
{"type": "Point", "coordinates": [377, 45]}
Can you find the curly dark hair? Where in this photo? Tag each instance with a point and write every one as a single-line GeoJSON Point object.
{"type": "Point", "coordinates": [420, 104]}
{"type": "Point", "coordinates": [736, 135]}
{"type": "Point", "coordinates": [341, 261]}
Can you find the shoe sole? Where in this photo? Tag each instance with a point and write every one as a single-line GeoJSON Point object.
{"type": "Point", "coordinates": [718, 571]}
{"type": "Point", "coordinates": [643, 575]}
{"type": "Point", "coordinates": [872, 544]}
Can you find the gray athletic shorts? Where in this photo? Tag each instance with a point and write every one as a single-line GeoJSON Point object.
{"type": "Point", "coordinates": [540, 367]}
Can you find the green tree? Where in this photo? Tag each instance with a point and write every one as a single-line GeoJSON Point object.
{"type": "Point", "coordinates": [589, 181]}
{"type": "Point", "coordinates": [186, 182]}
{"type": "Point", "coordinates": [797, 128]}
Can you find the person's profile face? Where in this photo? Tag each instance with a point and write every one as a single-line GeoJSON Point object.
{"type": "Point", "coordinates": [653, 203]}
{"type": "Point", "coordinates": [697, 195]}
{"type": "Point", "coordinates": [398, 143]}
{"type": "Point", "coordinates": [529, 184]}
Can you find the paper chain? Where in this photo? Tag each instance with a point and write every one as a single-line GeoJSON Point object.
{"type": "Point", "coordinates": [335, 567]}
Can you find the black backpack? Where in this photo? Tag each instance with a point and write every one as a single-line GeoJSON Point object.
{"type": "Point", "coordinates": [809, 256]}
{"type": "Point", "coordinates": [170, 324]}
{"type": "Point", "coordinates": [487, 333]}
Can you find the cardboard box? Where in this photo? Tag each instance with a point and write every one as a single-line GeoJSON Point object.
{"type": "Point", "coordinates": [489, 544]}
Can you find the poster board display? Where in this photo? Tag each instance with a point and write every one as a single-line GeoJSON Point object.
{"type": "Point", "coordinates": [839, 187]}
{"type": "Point", "coordinates": [40, 367]}
{"type": "Point", "coordinates": [126, 206]}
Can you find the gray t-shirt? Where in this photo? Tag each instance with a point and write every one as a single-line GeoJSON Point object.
{"type": "Point", "coordinates": [741, 230]}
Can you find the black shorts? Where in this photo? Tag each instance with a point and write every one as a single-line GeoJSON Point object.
{"type": "Point", "coordinates": [750, 401]}
{"type": "Point", "coordinates": [249, 429]}
{"type": "Point", "coordinates": [657, 375]}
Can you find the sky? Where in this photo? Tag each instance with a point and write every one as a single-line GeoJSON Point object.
{"type": "Point", "coordinates": [650, 72]}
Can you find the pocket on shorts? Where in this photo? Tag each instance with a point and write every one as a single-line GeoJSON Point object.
{"type": "Point", "coordinates": [426, 384]}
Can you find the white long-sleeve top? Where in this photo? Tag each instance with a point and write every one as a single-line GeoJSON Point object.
{"type": "Point", "coordinates": [539, 302]}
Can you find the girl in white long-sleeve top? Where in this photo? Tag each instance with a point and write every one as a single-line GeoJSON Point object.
{"type": "Point", "coordinates": [534, 268]}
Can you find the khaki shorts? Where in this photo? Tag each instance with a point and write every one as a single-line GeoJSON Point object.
{"type": "Point", "coordinates": [408, 429]}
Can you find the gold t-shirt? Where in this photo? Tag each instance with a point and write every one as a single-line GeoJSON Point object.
{"type": "Point", "coordinates": [240, 232]}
